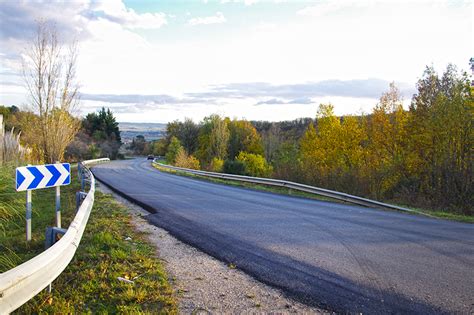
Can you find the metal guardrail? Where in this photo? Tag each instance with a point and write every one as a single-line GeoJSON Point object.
{"type": "Point", "coordinates": [20, 284]}
{"type": "Point", "coordinates": [296, 186]}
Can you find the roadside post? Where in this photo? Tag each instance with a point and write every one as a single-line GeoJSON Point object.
{"type": "Point", "coordinates": [28, 215]}
{"type": "Point", "coordinates": [33, 177]}
{"type": "Point", "coordinates": [83, 183]}
{"type": "Point", "coordinates": [58, 205]}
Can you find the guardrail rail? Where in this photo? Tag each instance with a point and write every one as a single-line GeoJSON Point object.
{"type": "Point", "coordinates": [20, 284]}
{"type": "Point", "coordinates": [287, 184]}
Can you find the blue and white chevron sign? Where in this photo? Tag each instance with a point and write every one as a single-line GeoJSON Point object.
{"type": "Point", "coordinates": [42, 176]}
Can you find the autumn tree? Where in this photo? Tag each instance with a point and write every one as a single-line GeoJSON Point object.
{"type": "Point", "coordinates": [387, 152]}
{"type": "Point", "coordinates": [332, 153]}
{"type": "Point", "coordinates": [319, 148]}
{"type": "Point", "coordinates": [186, 132]}
{"type": "Point", "coordinates": [173, 150]}
{"type": "Point", "coordinates": [442, 138]}
{"type": "Point", "coordinates": [243, 137]}
{"type": "Point", "coordinates": [49, 73]}
{"type": "Point", "coordinates": [187, 161]}
{"type": "Point", "coordinates": [286, 161]}
{"type": "Point", "coordinates": [159, 147]}
{"type": "Point", "coordinates": [213, 139]}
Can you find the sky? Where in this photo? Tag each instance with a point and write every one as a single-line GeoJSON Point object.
{"type": "Point", "coordinates": [157, 61]}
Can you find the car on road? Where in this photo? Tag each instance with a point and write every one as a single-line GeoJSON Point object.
{"type": "Point", "coordinates": [150, 157]}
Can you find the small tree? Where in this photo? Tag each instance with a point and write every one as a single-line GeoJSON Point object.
{"type": "Point", "coordinates": [49, 75]}
{"type": "Point", "coordinates": [173, 150]}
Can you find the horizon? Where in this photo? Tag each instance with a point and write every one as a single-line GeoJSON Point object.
{"type": "Point", "coordinates": [256, 60]}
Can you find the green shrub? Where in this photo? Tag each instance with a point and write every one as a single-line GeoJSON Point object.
{"type": "Point", "coordinates": [255, 164]}
{"type": "Point", "coordinates": [234, 167]}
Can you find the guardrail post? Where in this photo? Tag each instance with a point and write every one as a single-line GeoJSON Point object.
{"type": "Point", "coordinates": [82, 181]}
{"type": "Point", "coordinates": [80, 196]}
{"type": "Point", "coordinates": [79, 170]}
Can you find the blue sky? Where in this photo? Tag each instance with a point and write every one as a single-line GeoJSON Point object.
{"type": "Point", "coordinates": [156, 61]}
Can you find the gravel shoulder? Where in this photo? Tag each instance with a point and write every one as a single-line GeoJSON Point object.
{"type": "Point", "coordinates": [203, 284]}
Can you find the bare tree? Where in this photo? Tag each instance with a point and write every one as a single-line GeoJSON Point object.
{"type": "Point", "coordinates": [49, 73]}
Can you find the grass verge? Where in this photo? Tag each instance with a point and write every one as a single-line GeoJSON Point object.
{"type": "Point", "coordinates": [114, 270]}
{"type": "Point", "coordinates": [14, 249]}
{"type": "Point", "coordinates": [292, 192]}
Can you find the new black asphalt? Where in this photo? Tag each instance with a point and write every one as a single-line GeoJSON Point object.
{"type": "Point", "coordinates": [344, 258]}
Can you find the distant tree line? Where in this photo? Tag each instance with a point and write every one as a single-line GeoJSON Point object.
{"type": "Point", "coordinates": [421, 157]}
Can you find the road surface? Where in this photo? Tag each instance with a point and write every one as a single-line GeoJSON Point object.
{"type": "Point", "coordinates": [340, 257]}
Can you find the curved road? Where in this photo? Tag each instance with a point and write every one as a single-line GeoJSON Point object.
{"type": "Point", "coordinates": [340, 257]}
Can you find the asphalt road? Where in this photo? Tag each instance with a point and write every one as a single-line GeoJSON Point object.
{"type": "Point", "coordinates": [340, 257]}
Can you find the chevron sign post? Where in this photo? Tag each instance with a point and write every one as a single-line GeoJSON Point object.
{"type": "Point", "coordinates": [42, 176]}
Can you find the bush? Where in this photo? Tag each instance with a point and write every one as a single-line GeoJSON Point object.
{"type": "Point", "coordinates": [255, 164]}
{"type": "Point", "coordinates": [217, 165]}
{"type": "Point", "coordinates": [186, 161]}
{"type": "Point", "coordinates": [234, 167]}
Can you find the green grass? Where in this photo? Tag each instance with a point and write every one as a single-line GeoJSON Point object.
{"type": "Point", "coordinates": [11, 204]}
{"type": "Point", "coordinates": [287, 191]}
{"type": "Point", "coordinates": [13, 246]}
{"type": "Point", "coordinates": [90, 283]}
{"type": "Point", "coordinates": [447, 215]}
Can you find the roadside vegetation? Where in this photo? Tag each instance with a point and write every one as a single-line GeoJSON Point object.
{"type": "Point", "coordinates": [421, 157]}
{"type": "Point", "coordinates": [110, 249]}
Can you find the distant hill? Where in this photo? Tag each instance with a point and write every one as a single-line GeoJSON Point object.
{"type": "Point", "coordinates": [151, 131]}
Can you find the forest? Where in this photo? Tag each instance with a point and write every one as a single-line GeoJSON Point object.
{"type": "Point", "coordinates": [421, 156]}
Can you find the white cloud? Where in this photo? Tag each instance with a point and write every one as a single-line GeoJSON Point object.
{"type": "Point", "coordinates": [116, 10]}
{"type": "Point", "coordinates": [215, 19]}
